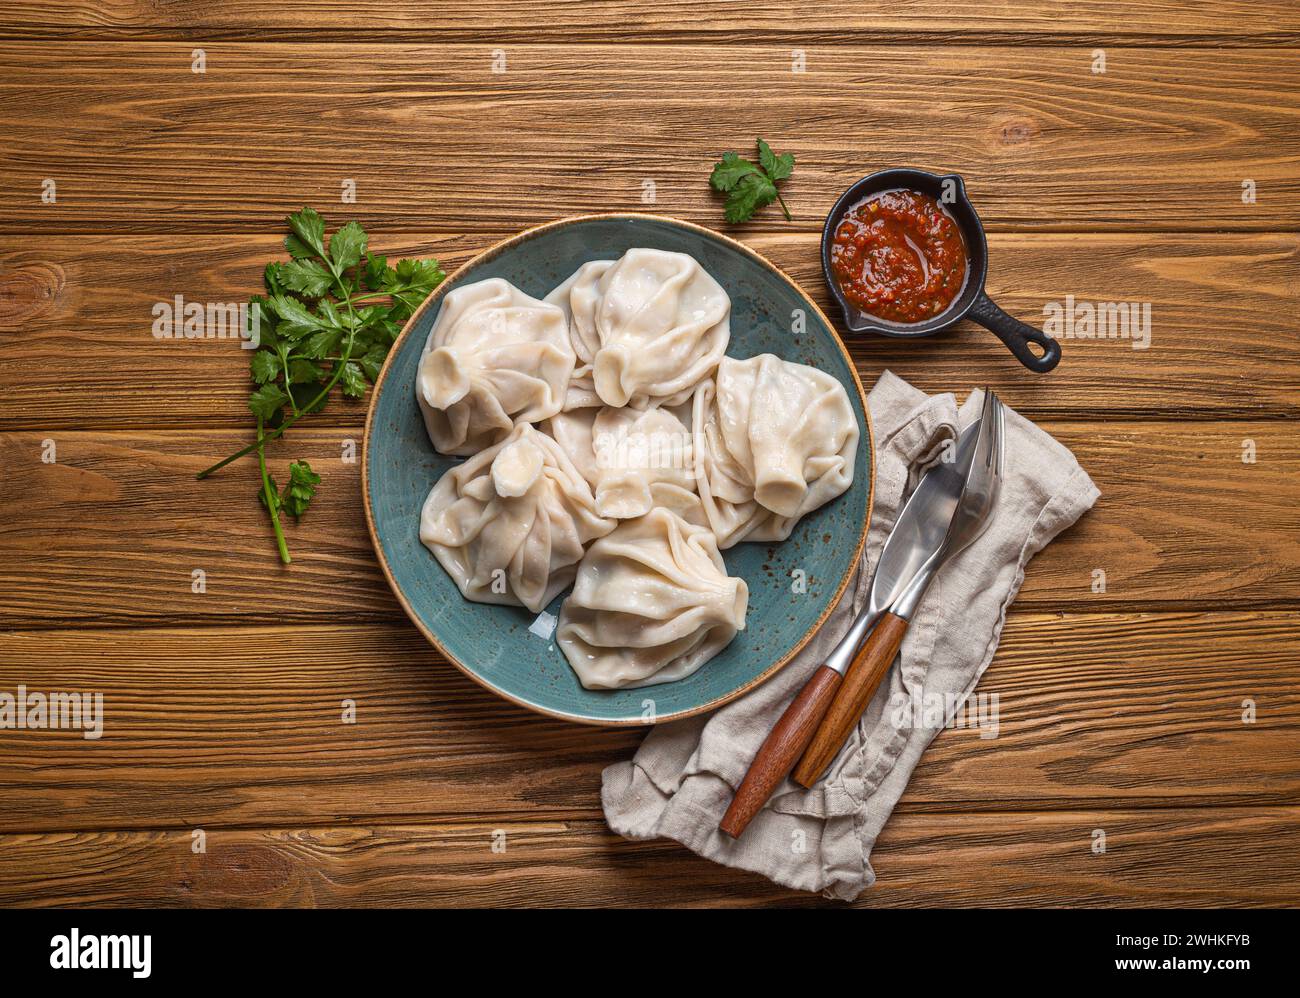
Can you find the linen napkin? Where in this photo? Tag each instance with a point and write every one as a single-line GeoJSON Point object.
{"type": "Point", "coordinates": [680, 781]}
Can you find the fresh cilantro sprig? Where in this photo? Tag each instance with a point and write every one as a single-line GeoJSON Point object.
{"type": "Point", "coordinates": [297, 495]}
{"type": "Point", "coordinates": [750, 186]}
{"type": "Point", "coordinates": [328, 317]}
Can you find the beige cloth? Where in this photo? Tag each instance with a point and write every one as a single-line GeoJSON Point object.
{"type": "Point", "coordinates": [681, 780]}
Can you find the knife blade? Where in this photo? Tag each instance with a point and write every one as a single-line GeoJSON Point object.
{"type": "Point", "coordinates": [917, 536]}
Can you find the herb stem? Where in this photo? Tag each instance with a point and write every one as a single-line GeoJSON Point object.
{"type": "Point", "coordinates": [784, 208]}
{"type": "Point", "coordinates": [283, 351]}
{"type": "Point", "coordinates": [271, 500]}
{"type": "Point", "coordinates": [373, 296]}
{"type": "Point", "coordinates": [279, 430]}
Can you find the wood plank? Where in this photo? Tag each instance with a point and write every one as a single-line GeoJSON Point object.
{"type": "Point", "coordinates": [111, 533]}
{"type": "Point", "coordinates": [1235, 857]}
{"type": "Point", "coordinates": [243, 726]}
{"type": "Point", "coordinates": [136, 142]}
{"type": "Point", "coordinates": [832, 21]}
{"type": "Point", "coordinates": [78, 311]}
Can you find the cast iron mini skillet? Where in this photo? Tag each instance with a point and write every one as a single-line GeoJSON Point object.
{"type": "Point", "coordinates": [971, 302]}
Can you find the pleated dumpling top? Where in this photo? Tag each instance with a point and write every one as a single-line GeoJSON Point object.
{"type": "Point", "coordinates": [509, 525]}
{"type": "Point", "coordinates": [647, 328]}
{"type": "Point", "coordinates": [651, 604]}
{"type": "Point", "coordinates": [774, 440]}
{"type": "Point", "coordinates": [495, 358]}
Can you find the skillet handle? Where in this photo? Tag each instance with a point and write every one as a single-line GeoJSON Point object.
{"type": "Point", "coordinates": [1016, 335]}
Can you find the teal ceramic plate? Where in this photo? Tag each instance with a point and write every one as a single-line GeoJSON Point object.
{"type": "Point", "coordinates": [493, 644]}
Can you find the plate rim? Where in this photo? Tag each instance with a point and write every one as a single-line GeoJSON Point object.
{"type": "Point", "coordinates": [436, 296]}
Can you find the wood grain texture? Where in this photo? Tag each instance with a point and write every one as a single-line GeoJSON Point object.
{"type": "Point", "coordinates": [1203, 857]}
{"type": "Point", "coordinates": [79, 312]}
{"type": "Point", "coordinates": [1120, 711]}
{"type": "Point", "coordinates": [244, 726]}
{"type": "Point", "coordinates": [136, 142]}
{"type": "Point", "coordinates": [112, 531]}
{"type": "Point", "coordinates": [642, 20]}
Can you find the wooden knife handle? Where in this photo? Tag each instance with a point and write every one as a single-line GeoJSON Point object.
{"type": "Point", "coordinates": [784, 743]}
{"type": "Point", "coordinates": [869, 666]}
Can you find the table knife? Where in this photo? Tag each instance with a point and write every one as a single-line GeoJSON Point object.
{"type": "Point", "coordinates": [973, 479]}
{"type": "Point", "coordinates": [918, 533]}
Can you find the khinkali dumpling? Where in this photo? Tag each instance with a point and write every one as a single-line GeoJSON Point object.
{"type": "Point", "coordinates": [573, 430]}
{"type": "Point", "coordinates": [774, 440]}
{"type": "Point", "coordinates": [578, 297]}
{"type": "Point", "coordinates": [643, 459]}
{"type": "Point", "coordinates": [510, 523]}
{"type": "Point", "coordinates": [652, 603]}
{"type": "Point", "coordinates": [661, 324]}
{"type": "Point", "coordinates": [633, 459]}
{"type": "Point", "coordinates": [495, 358]}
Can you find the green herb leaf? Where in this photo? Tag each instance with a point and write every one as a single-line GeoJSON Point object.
{"type": "Point", "coordinates": [372, 361]}
{"type": "Point", "coordinates": [307, 277]}
{"type": "Point", "coordinates": [728, 171]}
{"type": "Point", "coordinates": [347, 246]}
{"type": "Point", "coordinates": [749, 187]}
{"type": "Point", "coordinates": [304, 371]}
{"type": "Point", "coordinates": [417, 275]}
{"type": "Point", "coordinates": [309, 227]}
{"type": "Point", "coordinates": [267, 401]}
{"type": "Point", "coordinates": [297, 249]}
{"type": "Point", "coordinates": [308, 397]}
{"type": "Point", "coordinates": [265, 366]}
{"type": "Point", "coordinates": [329, 315]}
{"type": "Point", "coordinates": [752, 193]}
{"type": "Point", "coordinates": [300, 491]}
{"type": "Point", "coordinates": [377, 273]}
{"type": "Point", "coordinates": [321, 344]}
{"type": "Point", "coordinates": [295, 318]}
{"type": "Point", "coordinates": [776, 167]}
{"type": "Point", "coordinates": [353, 380]}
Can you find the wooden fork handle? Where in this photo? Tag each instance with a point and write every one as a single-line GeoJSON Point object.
{"type": "Point", "coordinates": [785, 742]}
{"type": "Point", "coordinates": [869, 666]}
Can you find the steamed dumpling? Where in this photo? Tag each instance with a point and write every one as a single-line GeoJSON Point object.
{"type": "Point", "coordinates": [726, 487]}
{"type": "Point", "coordinates": [573, 430]}
{"type": "Point", "coordinates": [495, 358]}
{"type": "Point", "coordinates": [652, 603]}
{"type": "Point", "coordinates": [661, 324]}
{"type": "Point", "coordinates": [509, 525]}
{"type": "Point", "coordinates": [774, 441]}
{"type": "Point", "coordinates": [633, 459]}
{"type": "Point", "coordinates": [643, 459]}
{"type": "Point", "coordinates": [577, 298]}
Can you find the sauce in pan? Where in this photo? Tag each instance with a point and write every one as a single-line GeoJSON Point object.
{"type": "Point", "coordinates": [899, 256]}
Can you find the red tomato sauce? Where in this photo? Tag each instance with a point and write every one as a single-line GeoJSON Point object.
{"type": "Point", "coordinates": [899, 256]}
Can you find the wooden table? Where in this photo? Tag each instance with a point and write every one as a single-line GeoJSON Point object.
{"type": "Point", "coordinates": [1121, 709]}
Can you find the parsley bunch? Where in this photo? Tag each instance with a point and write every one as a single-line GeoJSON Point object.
{"type": "Point", "coordinates": [328, 318]}
{"type": "Point", "coordinates": [750, 186]}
